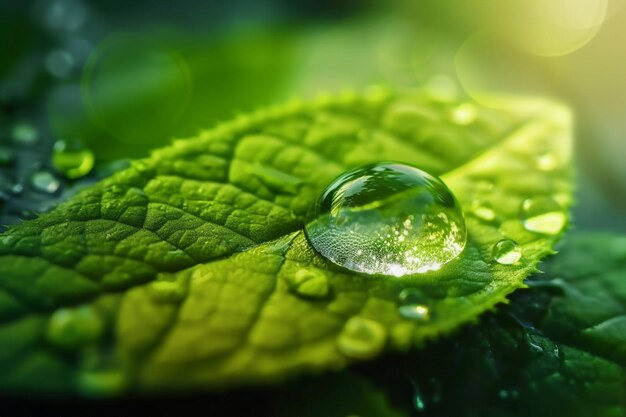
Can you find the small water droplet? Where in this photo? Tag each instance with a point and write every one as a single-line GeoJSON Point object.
{"type": "Point", "coordinates": [464, 114]}
{"type": "Point", "coordinates": [357, 221]}
{"type": "Point", "coordinates": [44, 182]}
{"type": "Point", "coordinates": [483, 210]}
{"type": "Point", "coordinates": [506, 252]}
{"type": "Point", "coordinates": [361, 338]}
{"type": "Point", "coordinates": [413, 305]}
{"type": "Point", "coordinates": [71, 159]}
{"type": "Point", "coordinates": [308, 283]}
{"type": "Point", "coordinates": [25, 134]}
{"type": "Point", "coordinates": [17, 188]}
{"type": "Point", "coordinates": [73, 327]}
{"type": "Point", "coordinates": [546, 161]}
{"type": "Point", "coordinates": [542, 215]}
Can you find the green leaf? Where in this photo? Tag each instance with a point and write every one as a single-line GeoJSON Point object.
{"type": "Point", "coordinates": [591, 313]}
{"type": "Point", "coordinates": [547, 353]}
{"type": "Point", "coordinates": [190, 269]}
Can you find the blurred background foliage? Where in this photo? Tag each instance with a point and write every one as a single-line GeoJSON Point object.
{"type": "Point", "coordinates": [115, 79]}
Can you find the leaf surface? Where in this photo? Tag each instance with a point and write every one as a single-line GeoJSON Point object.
{"type": "Point", "coordinates": [190, 268]}
{"type": "Point", "coordinates": [547, 353]}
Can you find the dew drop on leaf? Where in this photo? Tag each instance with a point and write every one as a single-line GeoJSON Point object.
{"type": "Point", "coordinates": [311, 283]}
{"type": "Point", "coordinates": [546, 161]}
{"type": "Point", "coordinates": [412, 305]}
{"type": "Point", "coordinates": [361, 338]}
{"type": "Point", "coordinates": [506, 252]}
{"type": "Point", "coordinates": [387, 218]}
{"type": "Point", "coordinates": [72, 160]}
{"type": "Point", "coordinates": [542, 215]}
{"type": "Point", "coordinates": [483, 210]}
{"type": "Point", "coordinates": [17, 188]}
{"type": "Point", "coordinates": [44, 182]}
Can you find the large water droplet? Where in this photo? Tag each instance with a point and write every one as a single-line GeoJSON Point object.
{"type": "Point", "coordinates": [44, 182]}
{"type": "Point", "coordinates": [71, 159]}
{"type": "Point", "coordinates": [73, 327]}
{"type": "Point", "coordinates": [387, 218]}
{"type": "Point", "coordinates": [412, 305]}
{"type": "Point", "coordinates": [506, 252]}
{"type": "Point", "coordinates": [361, 338]}
{"type": "Point", "coordinates": [542, 215]}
